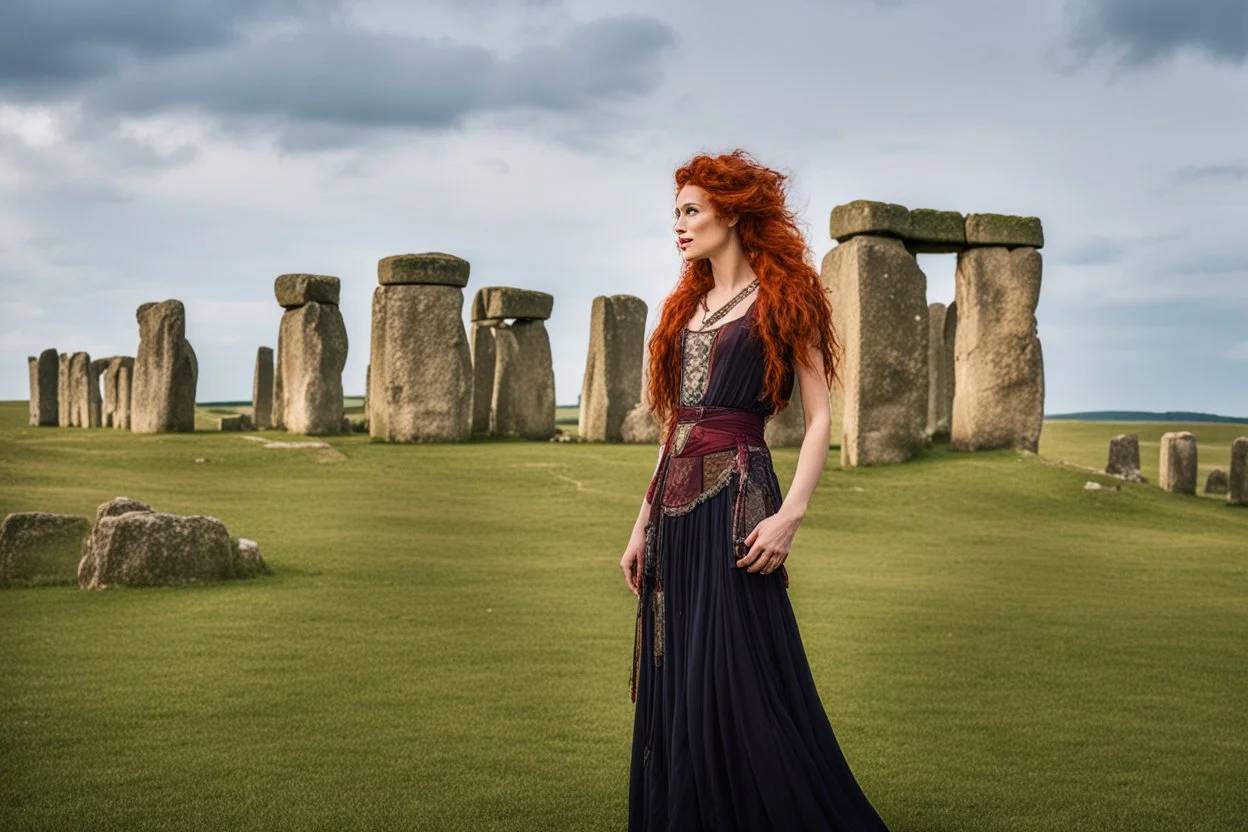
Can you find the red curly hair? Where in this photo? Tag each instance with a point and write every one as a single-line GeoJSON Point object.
{"type": "Point", "coordinates": [793, 308]}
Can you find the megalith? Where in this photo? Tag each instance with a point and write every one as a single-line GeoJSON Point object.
{"type": "Point", "coordinates": [95, 393]}
{"type": "Point", "coordinates": [162, 390]}
{"type": "Point", "coordinates": [1178, 462]}
{"type": "Point", "coordinates": [420, 382]}
{"type": "Point", "coordinates": [998, 365]}
{"type": "Point", "coordinates": [1124, 457]}
{"type": "Point", "coordinates": [44, 369]}
{"type": "Point", "coordinates": [1217, 483]}
{"type": "Point", "coordinates": [62, 390]}
{"type": "Point", "coordinates": [141, 547]}
{"type": "Point", "coordinates": [879, 306]}
{"type": "Point", "coordinates": [939, 388]}
{"type": "Point", "coordinates": [611, 386]}
{"type": "Point", "coordinates": [523, 400]}
{"type": "Point", "coordinates": [1237, 477]}
{"type": "Point", "coordinates": [262, 389]}
{"type": "Point", "coordinates": [118, 372]}
{"type": "Point", "coordinates": [519, 382]}
{"type": "Point", "coordinates": [311, 354]}
{"type": "Point", "coordinates": [788, 427]}
{"type": "Point", "coordinates": [84, 392]}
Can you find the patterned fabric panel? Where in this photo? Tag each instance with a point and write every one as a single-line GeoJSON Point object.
{"type": "Point", "coordinates": [693, 480]}
{"type": "Point", "coordinates": [695, 371]}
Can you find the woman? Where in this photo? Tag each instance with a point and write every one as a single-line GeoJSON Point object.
{"type": "Point", "coordinates": [729, 732]}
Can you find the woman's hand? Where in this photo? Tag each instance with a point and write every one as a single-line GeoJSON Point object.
{"type": "Point", "coordinates": [769, 542]}
{"type": "Point", "coordinates": [632, 561]}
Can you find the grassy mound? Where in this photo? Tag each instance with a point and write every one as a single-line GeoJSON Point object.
{"type": "Point", "coordinates": [446, 638]}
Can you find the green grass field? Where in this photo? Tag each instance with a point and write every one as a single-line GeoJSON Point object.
{"type": "Point", "coordinates": [446, 638]}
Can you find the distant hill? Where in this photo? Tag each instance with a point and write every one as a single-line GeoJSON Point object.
{"type": "Point", "coordinates": [1145, 416]}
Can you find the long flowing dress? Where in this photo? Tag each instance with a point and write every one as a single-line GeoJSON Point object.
{"type": "Point", "coordinates": [729, 732]}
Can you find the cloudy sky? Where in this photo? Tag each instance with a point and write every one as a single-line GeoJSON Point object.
{"type": "Point", "coordinates": [178, 148]}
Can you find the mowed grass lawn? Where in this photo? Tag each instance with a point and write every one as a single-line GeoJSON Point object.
{"type": "Point", "coordinates": [446, 638]}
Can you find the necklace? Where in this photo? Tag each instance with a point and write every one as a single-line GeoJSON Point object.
{"type": "Point", "coordinates": [708, 318]}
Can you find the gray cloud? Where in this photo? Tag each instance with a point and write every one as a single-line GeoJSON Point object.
{"type": "Point", "coordinates": [323, 84]}
{"type": "Point", "coordinates": [1092, 251]}
{"type": "Point", "coordinates": [1142, 32]}
{"type": "Point", "coordinates": [45, 46]}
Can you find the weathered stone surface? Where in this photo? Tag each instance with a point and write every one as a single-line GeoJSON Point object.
{"type": "Point", "coordinates": [640, 426]}
{"type": "Point", "coordinates": [430, 268]}
{"type": "Point", "coordinates": [998, 364]}
{"type": "Point", "coordinates": [863, 216]}
{"type": "Point", "coordinates": [237, 421]}
{"type": "Point", "coordinates": [1004, 230]}
{"type": "Point", "coordinates": [420, 383]}
{"type": "Point", "coordinates": [62, 390]}
{"type": "Point", "coordinates": [836, 410]}
{"type": "Point", "coordinates": [147, 548]}
{"type": "Point", "coordinates": [879, 308]}
{"type": "Point", "coordinates": [294, 290]}
{"type": "Point", "coordinates": [247, 559]}
{"type": "Point", "coordinates": [116, 411]}
{"type": "Point", "coordinates": [125, 382]}
{"type": "Point", "coordinates": [788, 427]}
{"type": "Point", "coordinates": [1178, 462]}
{"type": "Point", "coordinates": [939, 398]}
{"type": "Point", "coordinates": [1217, 482]}
{"type": "Point", "coordinates": [119, 506]}
{"type": "Point", "coordinates": [162, 397]}
{"type": "Point", "coordinates": [79, 390]}
{"type": "Point", "coordinates": [1237, 478]}
{"type": "Point", "coordinates": [483, 357]}
{"type": "Point", "coordinates": [1124, 457]}
{"type": "Point", "coordinates": [40, 548]}
{"type": "Point", "coordinates": [44, 369]}
{"type": "Point", "coordinates": [936, 232]}
{"type": "Point", "coordinates": [611, 386]}
{"type": "Point", "coordinates": [508, 302]}
{"type": "Point", "coordinates": [523, 402]}
{"type": "Point", "coordinates": [262, 389]}
{"type": "Point", "coordinates": [311, 354]}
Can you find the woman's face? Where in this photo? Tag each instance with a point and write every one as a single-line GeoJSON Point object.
{"type": "Point", "coordinates": [700, 232]}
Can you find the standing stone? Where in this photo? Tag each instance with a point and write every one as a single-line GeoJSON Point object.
{"type": "Point", "coordinates": [939, 402]}
{"type": "Point", "coordinates": [114, 397]}
{"type": "Point", "coordinates": [523, 401]}
{"type": "Point", "coordinates": [262, 389]}
{"type": "Point", "coordinates": [1124, 457]}
{"type": "Point", "coordinates": [420, 386]}
{"type": "Point", "coordinates": [165, 371]}
{"type": "Point", "coordinates": [95, 394]}
{"type": "Point", "coordinates": [879, 308]}
{"type": "Point", "coordinates": [125, 381]}
{"type": "Point", "coordinates": [640, 426]}
{"type": "Point", "coordinates": [788, 427]}
{"type": "Point", "coordinates": [1178, 462]}
{"type": "Point", "coordinates": [949, 337]}
{"type": "Point", "coordinates": [836, 407]}
{"type": "Point", "coordinates": [999, 368]}
{"type": "Point", "coordinates": [612, 383]}
{"type": "Point", "coordinates": [311, 354]}
{"type": "Point", "coordinates": [1217, 482]}
{"type": "Point", "coordinates": [43, 393]}
{"type": "Point", "coordinates": [80, 386]}
{"type": "Point", "coordinates": [1237, 479]}
{"type": "Point", "coordinates": [62, 390]}
{"type": "Point", "coordinates": [483, 358]}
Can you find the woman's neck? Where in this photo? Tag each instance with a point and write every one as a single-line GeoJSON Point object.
{"type": "Point", "coordinates": [731, 270]}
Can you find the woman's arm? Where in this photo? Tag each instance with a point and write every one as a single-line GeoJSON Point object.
{"type": "Point", "coordinates": [771, 539]}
